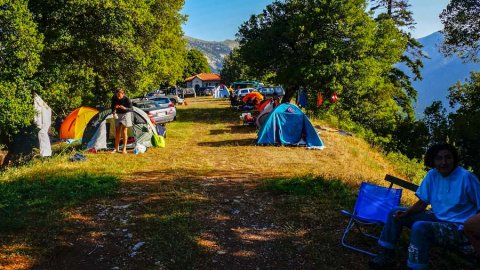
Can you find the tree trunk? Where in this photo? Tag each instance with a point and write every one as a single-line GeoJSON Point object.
{"type": "Point", "coordinates": [289, 93]}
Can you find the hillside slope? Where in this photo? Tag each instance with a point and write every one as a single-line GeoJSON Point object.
{"type": "Point", "coordinates": [214, 51]}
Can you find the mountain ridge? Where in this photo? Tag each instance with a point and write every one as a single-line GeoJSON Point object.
{"type": "Point", "coordinates": [439, 74]}
{"type": "Point", "coordinates": [214, 51]}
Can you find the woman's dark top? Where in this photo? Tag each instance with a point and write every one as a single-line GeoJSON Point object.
{"type": "Point", "coordinates": [125, 101]}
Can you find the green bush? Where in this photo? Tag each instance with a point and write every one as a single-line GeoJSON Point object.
{"type": "Point", "coordinates": [413, 169]}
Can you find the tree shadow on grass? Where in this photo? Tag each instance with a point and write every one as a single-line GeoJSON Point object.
{"type": "Point", "coordinates": [234, 129]}
{"type": "Point", "coordinates": [243, 129]}
{"type": "Point", "coordinates": [26, 202]}
{"type": "Point", "coordinates": [32, 210]}
{"type": "Point", "coordinates": [207, 115]}
{"type": "Point", "coordinates": [243, 142]}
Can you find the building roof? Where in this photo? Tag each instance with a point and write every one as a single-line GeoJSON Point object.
{"type": "Point", "coordinates": [205, 77]}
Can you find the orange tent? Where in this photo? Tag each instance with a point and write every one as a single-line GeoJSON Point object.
{"type": "Point", "coordinates": [75, 123]}
{"type": "Point", "coordinates": [253, 95]}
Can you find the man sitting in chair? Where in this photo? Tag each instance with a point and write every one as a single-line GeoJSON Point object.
{"type": "Point", "coordinates": [454, 194]}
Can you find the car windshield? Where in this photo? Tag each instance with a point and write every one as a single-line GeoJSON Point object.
{"type": "Point", "coordinates": [271, 90]}
{"type": "Point", "coordinates": [161, 100]}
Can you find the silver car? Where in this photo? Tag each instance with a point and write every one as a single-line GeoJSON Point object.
{"type": "Point", "coordinates": [160, 109]}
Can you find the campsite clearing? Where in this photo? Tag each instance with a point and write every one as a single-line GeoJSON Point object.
{"type": "Point", "coordinates": [211, 199]}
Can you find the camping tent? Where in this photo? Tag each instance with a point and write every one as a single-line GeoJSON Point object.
{"type": "Point", "coordinates": [75, 123]}
{"type": "Point", "coordinates": [221, 91]}
{"type": "Point", "coordinates": [101, 129]}
{"type": "Point", "coordinates": [43, 120]}
{"type": "Point", "coordinates": [288, 125]}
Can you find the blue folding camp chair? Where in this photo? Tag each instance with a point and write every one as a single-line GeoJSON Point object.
{"type": "Point", "coordinates": [371, 208]}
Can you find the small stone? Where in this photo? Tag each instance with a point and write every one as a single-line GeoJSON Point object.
{"type": "Point", "coordinates": [138, 245]}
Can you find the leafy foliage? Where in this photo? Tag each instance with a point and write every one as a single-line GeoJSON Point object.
{"type": "Point", "coordinates": [462, 29]}
{"type": "Point", "coordinates": [20, 48]}
{"type": "Point", "coordinates": [327, 46]}
{"type": "Point", "coordinates": [95, 46]}
{"type": "Point", "coordinates": [461, 127]}
{"type": "Point", "coordinates": [195, 63]}
{"type": "Point", "coordinates": [465, 126]}
{"type": "Point", "coordinates": [234, 68]}
{"type": "Point", "coordinates": [436, 121]}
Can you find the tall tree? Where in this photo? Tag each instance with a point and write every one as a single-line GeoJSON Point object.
{"type": "Point", "coordinates": [196, 63]}
{"type": "Point", "coordinates": [94, 46]}
{"type": "Point", "coordinates": [234, 68]}
{"type": "Point", "coordinates": [399, 11]}
{"type": "Point", "coordinates": [20, 48]}
{"type": "Point", "coordinates": [462, 29]}
{"type": "Point", "coordinates": [331, 46]}
{"type": "Point", "coordinates": [465, 125]}
{"type": "Point", "coordinates": [436, 121]}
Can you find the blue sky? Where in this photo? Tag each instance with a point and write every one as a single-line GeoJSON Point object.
{"type": "Point", "coordinates": [217, 20]}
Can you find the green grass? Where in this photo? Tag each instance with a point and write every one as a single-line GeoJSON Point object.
{"type": "Point", "coordinates": [413, 169]}
{"type": "Point", "coordinates": [310, 185]}
{"type": "Point", "coordinates": [30, 202]}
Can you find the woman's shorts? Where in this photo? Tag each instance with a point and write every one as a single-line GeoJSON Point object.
{"type": "Point", "coordinates": [124, 119]}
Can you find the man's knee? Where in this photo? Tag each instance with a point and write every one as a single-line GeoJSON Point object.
{"type": "Point", "coordinates": [421, 231]}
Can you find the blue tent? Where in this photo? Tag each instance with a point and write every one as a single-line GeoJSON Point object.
{"type": "Point", "coordinates": [288, 125]}
{"type": "Point", "coordinates": [221, 91]}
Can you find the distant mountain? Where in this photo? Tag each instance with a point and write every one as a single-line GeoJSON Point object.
{"type": "Point", "coordinates": [439, 74]}
{"type": "Point", "coordinates": [215, 51]}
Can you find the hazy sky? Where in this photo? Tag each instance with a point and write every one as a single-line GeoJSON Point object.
{"type": "Point", "coordinates": [217, 20]}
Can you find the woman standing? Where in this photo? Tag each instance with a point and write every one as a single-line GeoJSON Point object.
{"type": "Point", "coordinates": [121, 107]}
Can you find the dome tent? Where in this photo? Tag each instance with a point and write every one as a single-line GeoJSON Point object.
{"type": "Point", "coordinates": [101, 129]}
{"type": "Point", "coordinates": [221, 91]}
{"type": "Point", "coordinates": [74, 124]}
{"type": "Point", "coordinates": [288, 125]}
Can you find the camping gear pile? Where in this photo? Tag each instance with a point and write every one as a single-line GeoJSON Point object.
{"type": "Point", "coordinates": [260, 111]}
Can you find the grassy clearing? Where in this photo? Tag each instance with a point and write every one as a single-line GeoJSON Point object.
{"type": "Point", "coordinates": [210, 199]}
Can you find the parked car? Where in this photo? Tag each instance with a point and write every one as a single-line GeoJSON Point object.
{"type": "Point", "coordinates": [175, 94]}
{"type": "Point", "coordinates": [189, 92]}
{"type": "Point", "coordinates": [240, 93]}
{"type": "Point", "coordinates": [268, 91]}
{"type": "Point", "coordinates": [160, 109]}
{"type": "Point", "coordinates": [206, 90]}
